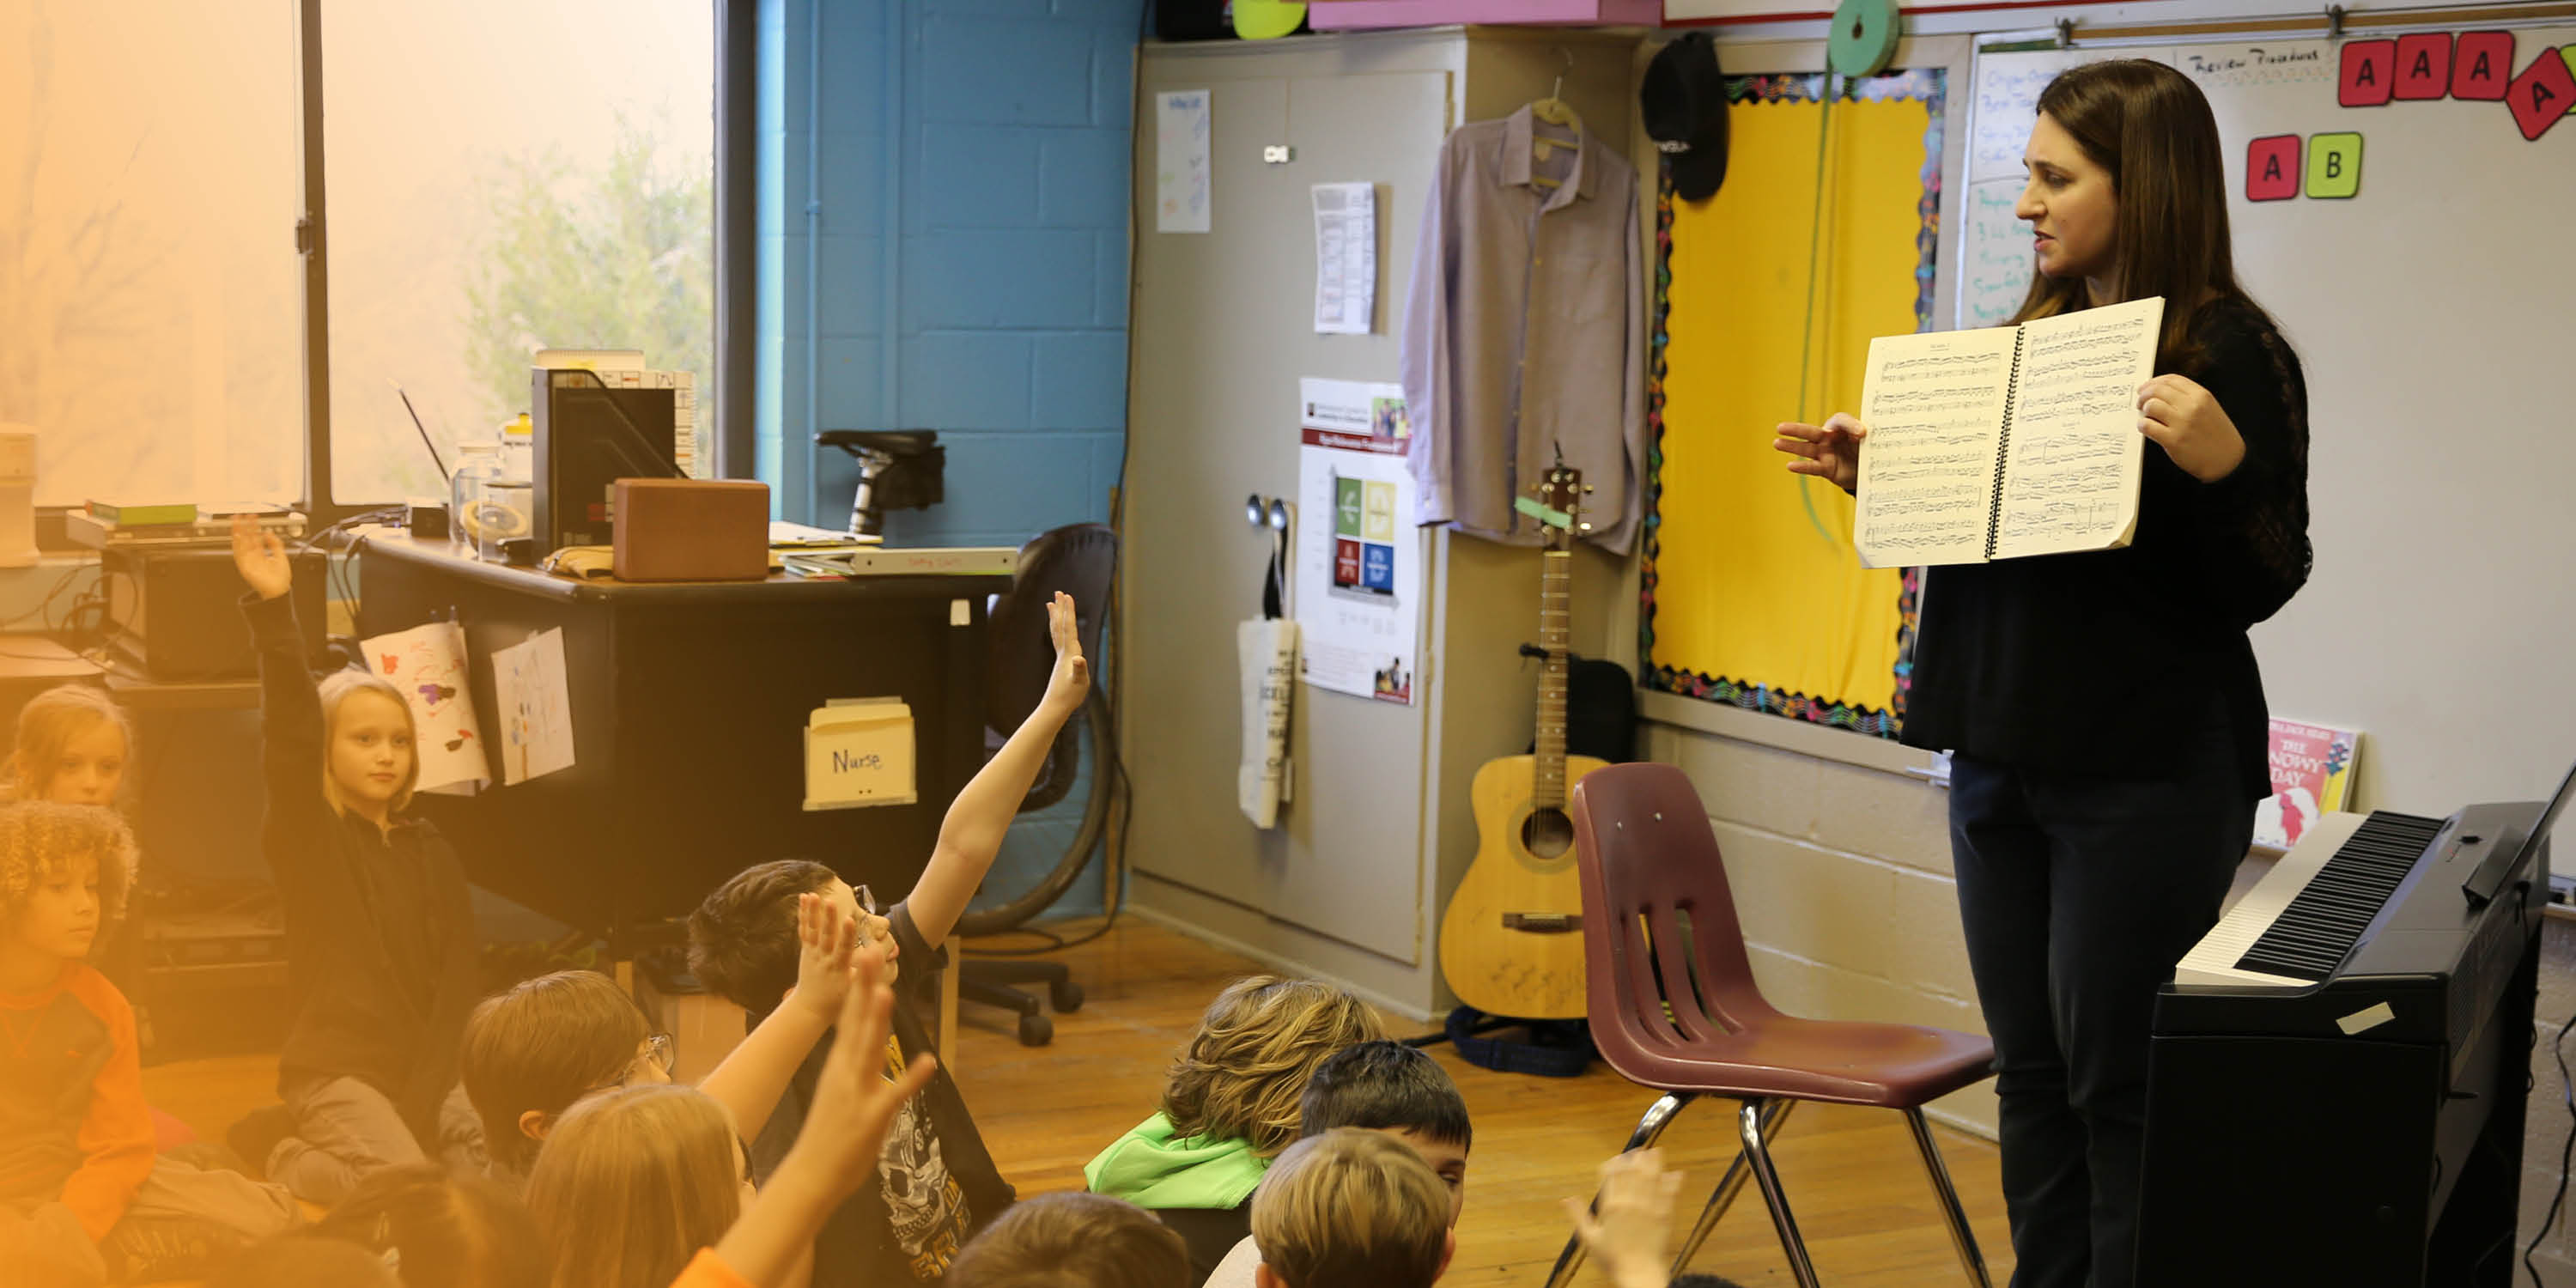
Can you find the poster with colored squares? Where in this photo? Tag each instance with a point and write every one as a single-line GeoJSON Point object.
{"type": "Point", "coordinates": [428, 665]}
{"type": "Point", "coordinates": [1359, 561]}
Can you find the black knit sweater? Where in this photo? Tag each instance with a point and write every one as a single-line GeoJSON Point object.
{"type": "Point", "coordinates": [2110, 662]}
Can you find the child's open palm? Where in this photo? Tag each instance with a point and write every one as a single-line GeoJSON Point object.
{"type": "Point", "coordinates": [261, 557]}
{"type": "Point", "coordinates": [827, 937]}
{"type": "Point", "coordinates": [1071, 682]}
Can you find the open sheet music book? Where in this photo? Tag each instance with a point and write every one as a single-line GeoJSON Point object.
{"type": "Point", "coordinates": [2006, 441]}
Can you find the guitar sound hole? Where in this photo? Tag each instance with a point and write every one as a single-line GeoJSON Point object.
{"type": "Point", "coordinates": [1547, 833]}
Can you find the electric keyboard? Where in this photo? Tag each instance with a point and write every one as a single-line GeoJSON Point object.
{"type": "Point", "coordinates": [2335, 1074]}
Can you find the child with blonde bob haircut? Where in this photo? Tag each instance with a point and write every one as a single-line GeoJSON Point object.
{"type": "Point", "coordinates": [632, 1182]}
{"type": "Point", "coordinates": [1351, 1206]}
{"type": "Point", "coordinates": [1075, 1240]}
{"type": "Point", "coordinates": [1230, 1105]}
{"type": "Point", "coordinates": [82, 1194]}
{"type": "Point", "coordinates": [73, 745]}
{"type": "Point", "coordinates": [382, 959]}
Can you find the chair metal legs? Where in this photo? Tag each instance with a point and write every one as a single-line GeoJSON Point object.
{"type": "Point", "coordinates": [1748, 1124]}
{"type": "Point", "coordinates": [1758, 1124]}
{"type": "Point", "coordinates": [1729, 1186]}
{"type": "Point", "coordinates": [1650, 1128]}
{"type": "Point", "coordinates": [1961, 1237]}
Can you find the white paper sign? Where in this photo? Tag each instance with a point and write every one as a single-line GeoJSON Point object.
{"type": "Point", "coordinates": [859, 752]}
{"type": "Point", "coordinates": [532, 699]}
{"type": "Point", "coordinates": [1181, 161]}
{"type": "Point", "coordinates": [1345, 258]}
{"type": "Point", "coordinates": [427, 664]}
{"type": "Point", "coordinates": [1359, 556]}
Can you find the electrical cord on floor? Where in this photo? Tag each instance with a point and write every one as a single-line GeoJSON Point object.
{"type": "Point", "coordinates": [2566, 1148]}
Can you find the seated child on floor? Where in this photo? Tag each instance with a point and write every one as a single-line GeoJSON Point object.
{"type": "Point", "coordinates": [382, 959]}
{"type": "Point", "coordinates": [938, 1185]}
{"type": "Point", "coordinates": [534, 1049]}
{"type": "Point", "coordinates": [1383, 1087]}
{"type": "Point", "coordinates": [1351, 1207]}
{"type": "Point", "coordinates": [82, 1194]}
{"type": "Point", "coordinates": [1230, 1104]}
{"type": "Point", "coordinates": [1075, 1240]}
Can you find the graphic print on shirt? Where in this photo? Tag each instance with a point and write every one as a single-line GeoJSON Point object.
{"type": "Point", "coordinates": [925, 1205]}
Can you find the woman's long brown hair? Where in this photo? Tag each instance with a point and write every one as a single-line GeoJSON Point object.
{"type": "Point", "coordinates": [2149, 127]}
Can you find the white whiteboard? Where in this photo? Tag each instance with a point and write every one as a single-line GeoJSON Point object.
{"type": "Point", "coordinates": [2435, 312]}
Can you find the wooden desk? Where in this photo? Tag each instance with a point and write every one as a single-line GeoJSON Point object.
{"type": "Point", "coordinates": [689, 703]}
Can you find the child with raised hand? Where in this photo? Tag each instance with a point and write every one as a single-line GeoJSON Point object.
{"type": "Point", "coordinates": [82, 1195]}
{"type": "Point", "coordinates": [855, 1101]}
{"type": "Point", "coordinates": [1628, 1227]}
{"type": "Point", "coordinates": [1075, 1240]}
{"type": "Point", "coordinates": [1230, 1104]}
{"type": "Point", "coordinates": [1351, 1207]}
{"type": "Point", "coordinates": [937, 1184]}
{"type": "Point", "coordinates": [381, 952]}
{"type": "Point", "coordinates": [534, 1049]}
{"type": "Point", "coordinates": [1384, 1087]}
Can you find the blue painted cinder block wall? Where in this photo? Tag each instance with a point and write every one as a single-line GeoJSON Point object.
{"type": "Point", "coordinates": [943, 193]}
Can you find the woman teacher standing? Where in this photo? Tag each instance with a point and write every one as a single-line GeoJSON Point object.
{"type": "Point", "coordinates": [2104, 710]}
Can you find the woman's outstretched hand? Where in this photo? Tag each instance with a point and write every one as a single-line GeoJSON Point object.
{"type": "Point", "coordinates": [1830, 451]}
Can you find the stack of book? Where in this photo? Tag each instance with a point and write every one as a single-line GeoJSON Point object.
{"type": "Point", "coordinates": [120, 524]}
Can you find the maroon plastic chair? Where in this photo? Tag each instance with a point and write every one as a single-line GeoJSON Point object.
{"type": "Point", "coordinates": [1673, 1007]}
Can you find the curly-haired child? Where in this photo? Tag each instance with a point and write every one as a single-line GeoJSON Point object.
{"type": "Point", "coordinates": [82, 1194]}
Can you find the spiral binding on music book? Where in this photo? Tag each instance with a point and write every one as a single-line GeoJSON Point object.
{"type": "Point", "coordinates": [2003, 449]}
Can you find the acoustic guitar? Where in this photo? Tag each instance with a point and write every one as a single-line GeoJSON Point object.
{"type": "Point", "coordinates": [1511, 942]}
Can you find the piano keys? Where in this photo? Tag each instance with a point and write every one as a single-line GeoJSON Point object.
{"type": "Point", "coordinates": [2335, 1078]}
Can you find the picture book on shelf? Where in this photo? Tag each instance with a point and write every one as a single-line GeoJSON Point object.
{"type": "Point", "coordinates": [2311, 775]}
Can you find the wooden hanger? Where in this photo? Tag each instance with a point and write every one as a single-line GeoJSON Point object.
{"type": "Point", "coordinates": [1554, 110]}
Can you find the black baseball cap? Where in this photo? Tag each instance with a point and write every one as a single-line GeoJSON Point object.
{"type": "Point", "coordinates": [1684, 105]}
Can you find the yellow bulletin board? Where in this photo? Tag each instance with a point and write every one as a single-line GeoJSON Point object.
{"type": "Point", "coordinates": [1767, 296]}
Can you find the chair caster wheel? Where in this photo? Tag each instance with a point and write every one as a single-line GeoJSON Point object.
{"type": "Point", "coordinates": [1036, 1030]}
{"type": "Point", "coordinates": [1065, 997]}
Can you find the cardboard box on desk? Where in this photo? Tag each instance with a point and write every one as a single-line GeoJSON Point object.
{"type": "Point", "coordinates": [1352, 15]}
{"type": "Point", "coordinates": [692, 530]}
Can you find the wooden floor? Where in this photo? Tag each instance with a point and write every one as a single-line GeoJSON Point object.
{"type": "Point", "coordinates": [1852, 1175]}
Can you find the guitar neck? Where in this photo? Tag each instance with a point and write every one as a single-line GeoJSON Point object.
{"type": "Point", "coordinates": [1555, 609]}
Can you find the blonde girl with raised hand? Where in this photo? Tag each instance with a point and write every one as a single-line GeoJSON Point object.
{"type": "Point", "coordinates": [381, 951]}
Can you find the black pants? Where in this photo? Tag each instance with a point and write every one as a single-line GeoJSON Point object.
{"type": "Point", "coordinates": [2078, 895]}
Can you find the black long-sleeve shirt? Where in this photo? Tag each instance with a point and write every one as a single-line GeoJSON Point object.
{"type": "Point", "coordinates": [381, 954]}
{"type": "Point", "coordinates": [2109, 662]}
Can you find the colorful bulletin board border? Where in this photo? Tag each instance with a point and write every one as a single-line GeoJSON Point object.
{"type": "Point", "coordinates": [1924, 84]}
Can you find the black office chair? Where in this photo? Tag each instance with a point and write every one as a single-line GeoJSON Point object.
{"type": "Point", "coordinates": [1078, 559]}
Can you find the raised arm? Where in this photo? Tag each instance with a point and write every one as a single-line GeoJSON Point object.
{"type": "Point", "coordinates": [752, 1077]}
{"type": "Point", "coordinates": [837, 1151]}
{"type": "Point", "coordinates": [981, 814]}
{"type": "Point", "coordinates": [291, 750]}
